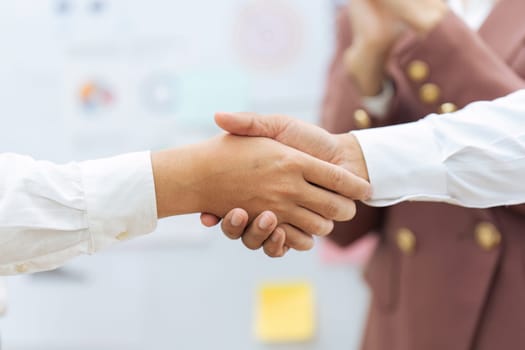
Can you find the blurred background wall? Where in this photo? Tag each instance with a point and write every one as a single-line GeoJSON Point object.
{"type": "Point", "coordinates": [90, 78]}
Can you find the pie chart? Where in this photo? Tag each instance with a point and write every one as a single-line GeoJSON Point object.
{"type": "Point", "coordinates": [95, 96]}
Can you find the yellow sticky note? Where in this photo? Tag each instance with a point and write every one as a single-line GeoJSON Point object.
{"type": "Point", "coordinates": [285, 313]}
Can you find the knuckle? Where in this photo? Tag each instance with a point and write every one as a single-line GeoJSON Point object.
{"type": "Point", "coordinates": [285, 188]}
{"type": "Point", "coordinates": [230, 233]}
{"type": "Point", "coordinates": [232, 236]}
{"type": "Point", "coordinates": [316, 227]}
{"type": "Point", "coordinates": [248, 243]}
{"type": "Point", "coordinates": [337, 177]}
{"type": "Point", "coordinates": [289, 163]}
{"type": "Point", "coordinates": [304, 244]}
{"type": "Point", "coordinates": [272, 252]}
{"type": "Point", "coordinates": [333, 210]}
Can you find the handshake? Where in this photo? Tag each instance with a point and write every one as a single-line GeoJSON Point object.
{"type": "Point", "coordinates": [276, 181]}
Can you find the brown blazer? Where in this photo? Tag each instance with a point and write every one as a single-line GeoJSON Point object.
{"type": "Point", "coordinates": [442, 277]}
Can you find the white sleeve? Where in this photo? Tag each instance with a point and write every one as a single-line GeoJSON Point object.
{"type": "Point", "coordinates": [51, 213]}
{"type": "Point", "coordinates": [378, 105]}
{"type": "Point", "coordinates": [474, 157]}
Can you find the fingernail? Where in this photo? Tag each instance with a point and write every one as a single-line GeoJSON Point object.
{"type": "Point", "coordinates": [265, 222]}
{"type": "Point", "coordinates": [276, 236]}
{"type": "Point", "coordinates": [236, 220]}
{"type": "Point", "coordinates": [368, 193]}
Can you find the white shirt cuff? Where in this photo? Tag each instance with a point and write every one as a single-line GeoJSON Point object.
{"type": "Point", "coordinates": [120, 198]}
{"type": "Point", "coordinates": [378, 105]}
{"type": "Point", "coordinates": [394, 175]}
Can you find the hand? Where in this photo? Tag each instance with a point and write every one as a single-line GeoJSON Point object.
{"type": "Point", "coordinates": [263, 231]}
{"type": "Point", "coordinates": [373, 27]}
{"type": "Point", "coordinates": [255, 174]}
{"type": "Point", "coordinates": [374, 32]}
{"type": "Point", "coordinates": [421, 15]}
{"type": "Point", "coordinates": [342, 150]}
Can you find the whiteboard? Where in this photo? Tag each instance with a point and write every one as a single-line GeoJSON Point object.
{"type": "Point", "coordinates": [84, 79]}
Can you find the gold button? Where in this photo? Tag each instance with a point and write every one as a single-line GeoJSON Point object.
{"type": "Point", "coordinates": [406, 241]}
{"type": "Point", "coordinates": [123, 236]}
{"type": "Point", "coordinates": [362, 119]}
{"type": "Point", "coordinates": [22, 268]}
{"type": "Point", "coordinates": [429, 93]}
{"type": "Point", "coordinates": [487, 236]}
{"type": "Point", "coordinates": [447, 108]}
{"type": "Point", "coordinates": [418, 71]}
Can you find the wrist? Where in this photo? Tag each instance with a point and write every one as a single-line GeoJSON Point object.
{"type": "Point", "coordinates": [352, 155]}
{"type": "Point", "coordinates": [367, 68]}
{"type": "Point", "coordinates": [177, 187]}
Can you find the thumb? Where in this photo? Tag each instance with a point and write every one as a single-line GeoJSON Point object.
{"type": "Point", "coordinates": [294, 133]}
{"type": "Point", "coordinates": [251, 124]}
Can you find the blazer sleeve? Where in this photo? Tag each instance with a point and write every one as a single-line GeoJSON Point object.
{"type": "Point", "coordinates": [455, 60]}
{"type": "Point", "coordinates": [343, 109]}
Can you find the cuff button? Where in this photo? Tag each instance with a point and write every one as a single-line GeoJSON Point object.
{"type": "Point", "coordinates": [22, 268]}
{"type": "Point", "coordinates": [123, 236]}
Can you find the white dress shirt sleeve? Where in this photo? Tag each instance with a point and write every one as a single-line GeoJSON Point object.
{"type": "Point", "coordinates": [51, 213]}
{"type": "Point", "coordinates": [473, 158]}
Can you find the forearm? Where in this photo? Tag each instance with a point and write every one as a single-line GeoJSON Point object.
{"type": "Point", "coordinates": [176, 189]}
{"type": "Point", "coordinates": [365, 64]}
{"type": "Point", "coordinates": [460, 64]}
{"type": "Point", "coordinates": [345, 105]}
{"type": "Point", "coordinates": [473, 158]}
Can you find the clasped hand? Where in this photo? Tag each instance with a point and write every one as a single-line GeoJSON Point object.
{"type": "Point", "coordinates": [312, 191]}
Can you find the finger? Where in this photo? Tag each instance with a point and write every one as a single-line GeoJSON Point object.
{"type": "Point", "coordinates": [252, 124]}
{"type": "Point", "coordinates": [234, 223]}
{"type": "Point", "coordinates": [209, 220]}
{"type": "Point", "coordinates": [260, 230]}
{"type": "Point", "coordinates": [335, 178]}
{"type": "Point", "coordinates": [296, 239]}
{"type": "Point", "coordinates": [274, 246]}
{"type": "Point", "coordinates": [294, 133]}
{"type": "Point", "coordinates": [328, 204]}
{"type": "Point", "coordinates": [309, 222]}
